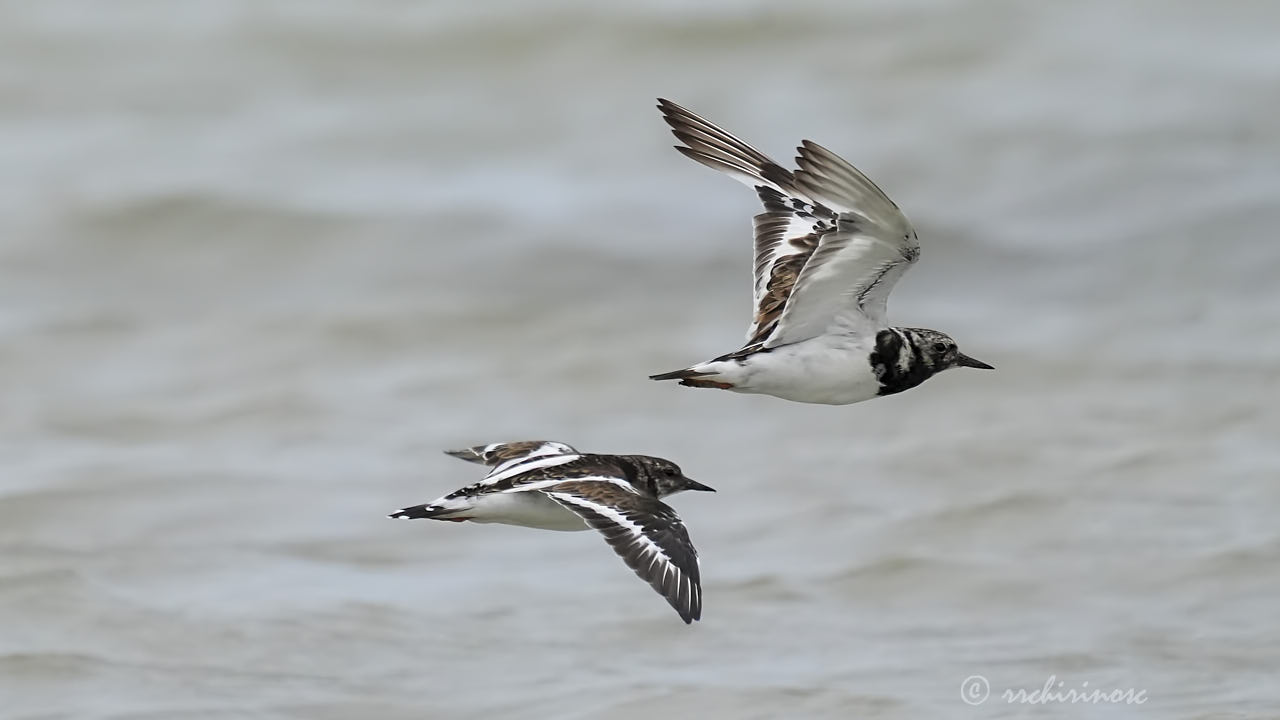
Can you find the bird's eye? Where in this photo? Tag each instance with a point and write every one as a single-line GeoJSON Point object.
{"type": "Point", "coordinates": [939, 347]}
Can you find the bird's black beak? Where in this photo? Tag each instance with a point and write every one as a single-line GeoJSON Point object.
{"type": "Point", "coordinates": [963, 360]}
{"type": "Point", "coordinates": [695, 485]}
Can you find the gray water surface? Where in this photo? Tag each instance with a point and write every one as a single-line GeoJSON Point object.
{"type": "Point", "coordinates": [260, 262]}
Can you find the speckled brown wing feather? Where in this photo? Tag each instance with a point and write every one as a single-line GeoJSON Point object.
{"type": "Point", "coordinates": [646, 533]}
{"type": "Point", "coordinates": [786, 235]}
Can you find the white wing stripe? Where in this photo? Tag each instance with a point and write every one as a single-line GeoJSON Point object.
{"type": "Point", "coordinates": [549, 484]}
{"type": "Point", "coordinates": [524, 464]}
{"type": "Point", "coordinates": [637, 533]}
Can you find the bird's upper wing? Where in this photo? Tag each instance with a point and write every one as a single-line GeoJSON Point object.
{"type": "Point", "coordinates": [495, 454]}
{"type": "Point", "coordinates": [525, 470]}
{"type": "Point", "coordinates": [827, 232]}
{"type": "Point", "coordinates": [645, 532]}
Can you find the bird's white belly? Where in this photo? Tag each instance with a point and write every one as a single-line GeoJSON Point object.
{"type": "Point", "coordinates": [829, 370]}
{"type": "Point", "coordinates": [529, 509]}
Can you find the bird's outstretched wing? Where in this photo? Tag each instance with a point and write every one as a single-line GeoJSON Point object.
{"type": "Point", "coordinates": [829, 245]}
{"type": "Point", "coordinates": [646, 533]}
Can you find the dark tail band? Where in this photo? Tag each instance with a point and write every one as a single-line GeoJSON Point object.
{"type": "Point", "coordinates": [679, 375]}
{"type": "Point", "coordinates": [419, 511]}
{"type": "Point", "coordinates": [692, 378]}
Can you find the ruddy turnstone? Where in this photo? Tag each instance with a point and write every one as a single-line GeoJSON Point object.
{"type": "Point", "coordinates": [829, 247]}
{"type": "Point", "coordinates": [549, 485]}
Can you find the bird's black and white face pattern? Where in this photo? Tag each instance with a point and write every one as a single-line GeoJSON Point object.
{"type": "Point", "coordinates": [662, 477]}
{"type": "Point", "coordinates": [905, 357]}
{"type": "Point", "coordinates": [937, 350]}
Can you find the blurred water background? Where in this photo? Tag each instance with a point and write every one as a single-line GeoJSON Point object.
{"type": "Point", "coordinates": [260, 262]}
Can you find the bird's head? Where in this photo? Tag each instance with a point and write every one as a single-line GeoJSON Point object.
{"type": "Point", "coordinates": [939, 351]}
{"type": "Point", "coordinates": [665, 477]}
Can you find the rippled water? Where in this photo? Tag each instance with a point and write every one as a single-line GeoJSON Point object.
{"type": "Point", "coordinates": [260, 262]}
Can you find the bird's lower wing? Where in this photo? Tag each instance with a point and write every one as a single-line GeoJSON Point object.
{"type": "Point", "coordinates": [646, 533]}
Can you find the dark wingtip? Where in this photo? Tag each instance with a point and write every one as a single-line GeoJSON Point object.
{"type": "Point", "coordinates": [694, 612]}
{"type": "Point", "coordinates": [687, 614]}
{"type": "Point", "coordinates": [697, 155]}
